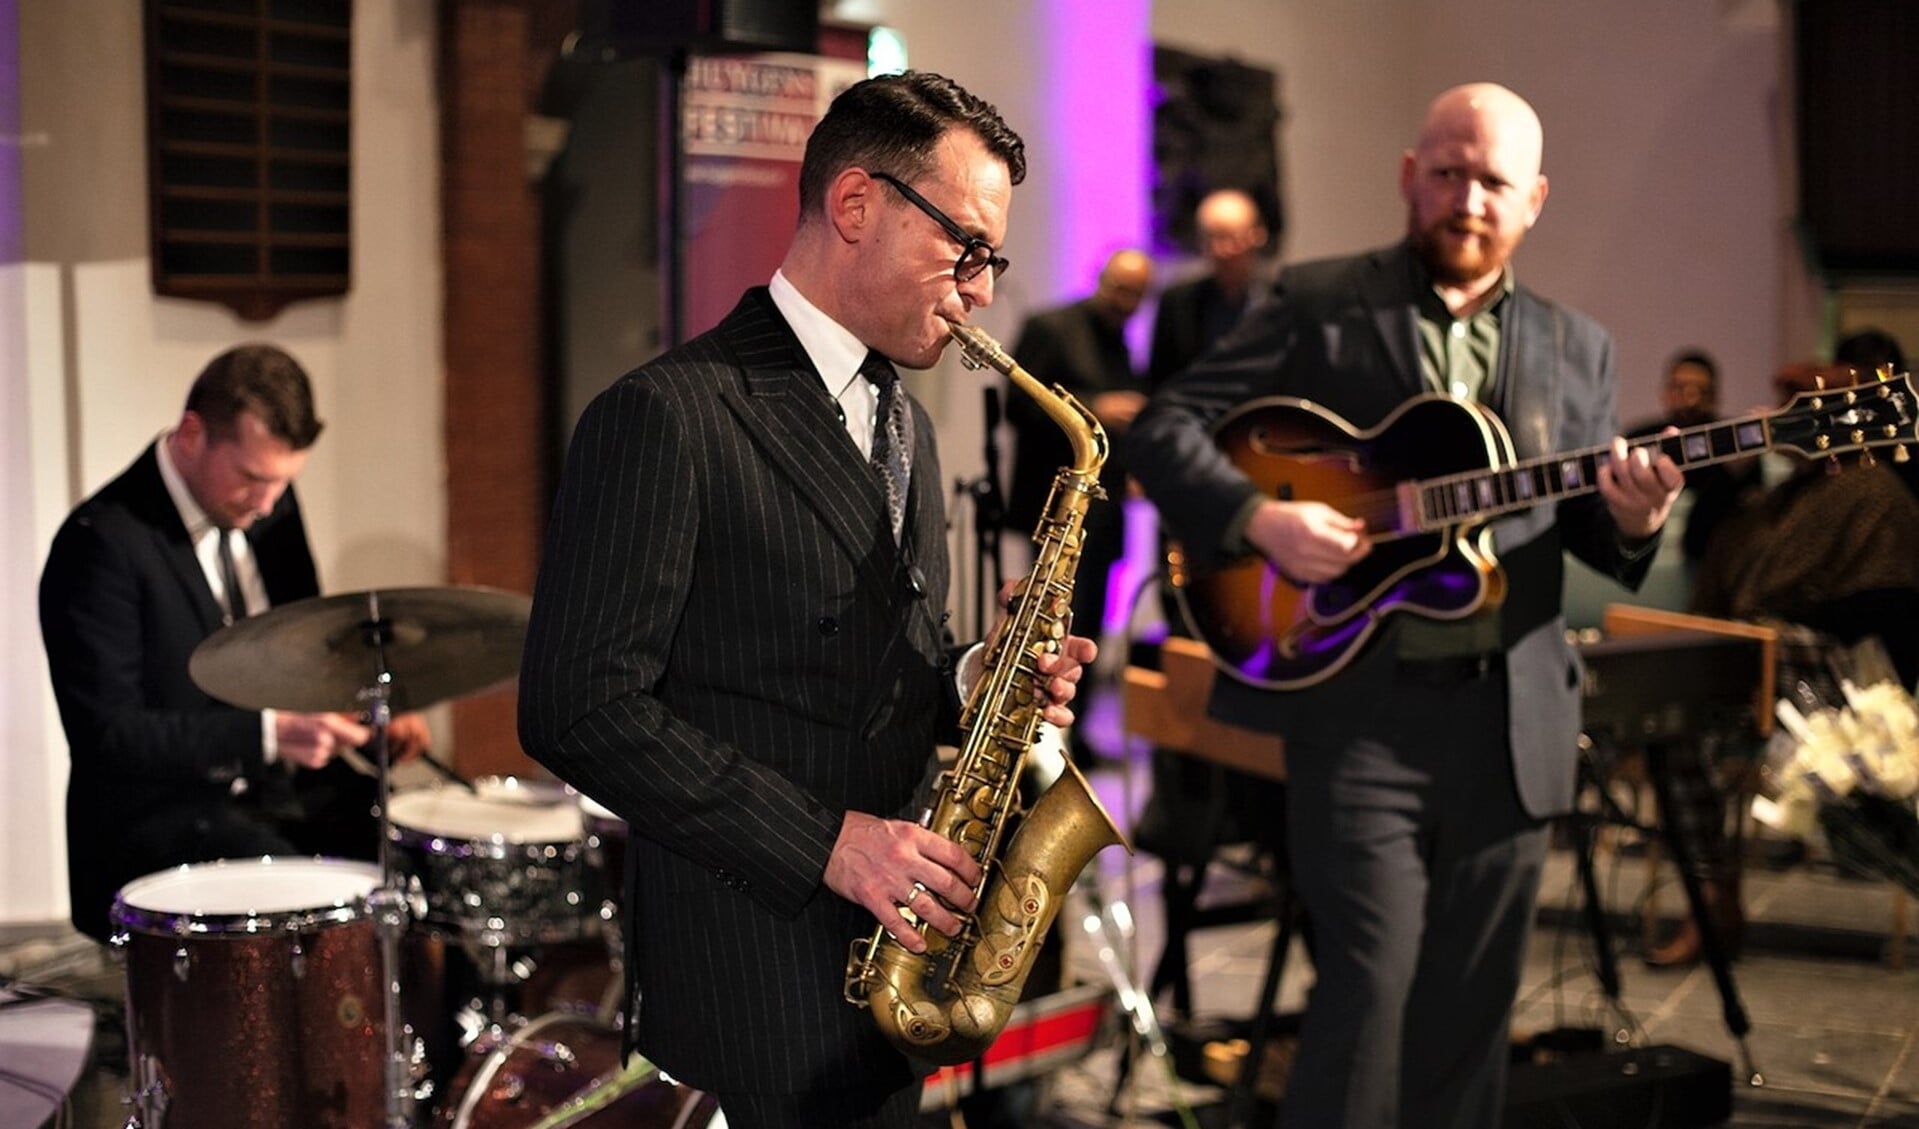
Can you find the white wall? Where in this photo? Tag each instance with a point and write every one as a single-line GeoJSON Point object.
{"type": "Point", "coordinates": [108, 364]}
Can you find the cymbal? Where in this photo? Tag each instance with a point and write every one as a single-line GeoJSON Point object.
{"type": "Point", "coordinates": [317, 655]}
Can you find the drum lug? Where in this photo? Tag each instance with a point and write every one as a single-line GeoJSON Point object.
{"type": "Point", "coordinates": [419, 1071]}
{"type": "Point", "coordinates": [298, 960]}
{"type": "Point", "coordinates": [117, 946]}
{"type": "Point", "coordinates": [182, 964]}
{"type": "Point", "coordinates": [148, 1104]}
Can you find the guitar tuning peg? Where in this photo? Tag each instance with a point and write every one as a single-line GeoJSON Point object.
{"type": "Point", "coordinates": [1819, 382]}
{"type": "Point", "coordinates": [1867, 458]}
{"type": "Point", "coordinates": [1832, 464]}
{"type": "Point", "coordinates": [1900, 455]}
{"type": "Point", "coordinates": [1885, 371]}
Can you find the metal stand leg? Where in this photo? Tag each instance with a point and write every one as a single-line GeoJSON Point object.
{"type": "Point", "coordinates": [1711, 943]}
{"type": "Point", "coordinates": [1246, 1086]}
{"type": "Point", "coordinates": [388, 905]}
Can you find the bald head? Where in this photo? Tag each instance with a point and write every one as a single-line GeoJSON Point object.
{"type": "Point", "coordinates": [1492, 115]}
{"type": "Point", "coordinates": [1230, 230]}
{"type": "Point", "coordinates": [1472, 184]}
{"type": "Point", "coordinates": [1122, 284]}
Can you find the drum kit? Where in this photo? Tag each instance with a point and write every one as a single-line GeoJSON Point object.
{"type": "Point", "coordinates": [260, 991]}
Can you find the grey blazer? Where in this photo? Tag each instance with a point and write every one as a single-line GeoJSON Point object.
{"type": "Point", "coordinates": [1343, 333]}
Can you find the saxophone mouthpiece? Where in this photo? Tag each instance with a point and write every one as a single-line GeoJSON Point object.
{"type": "Point", "coordinates": [978, 350]}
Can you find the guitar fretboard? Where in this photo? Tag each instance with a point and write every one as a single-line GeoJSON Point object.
{"type": "Point", "coordinates": [1843, 419]}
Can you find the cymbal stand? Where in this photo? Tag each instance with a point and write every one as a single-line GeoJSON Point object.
{"type": "Point", "coordinates": [388, 904]}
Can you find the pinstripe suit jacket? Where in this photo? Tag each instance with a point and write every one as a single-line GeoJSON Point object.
{"type": "Point", "coordinates": [727, 649]}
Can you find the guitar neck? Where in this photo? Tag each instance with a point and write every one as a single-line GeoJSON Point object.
{"type": "Point", "coordinates": [1812, 424]}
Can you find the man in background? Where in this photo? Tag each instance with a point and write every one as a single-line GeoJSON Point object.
{"type": "Point", "coordinates": [1689, 397]}
{"type": "Point", "coordinates": [1195, 313]}
{"type": "Point", "coordinates": [1082, 347]}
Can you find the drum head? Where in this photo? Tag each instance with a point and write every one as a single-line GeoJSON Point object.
{"type": "Point", "coordinates": [271, 892]}
{"type": "Point", "coordinates": [501, 811]}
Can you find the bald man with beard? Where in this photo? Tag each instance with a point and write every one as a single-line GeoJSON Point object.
{"type": "Point", "coordinates": [1422, 773]}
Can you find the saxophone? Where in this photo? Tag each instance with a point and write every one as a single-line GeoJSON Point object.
{"type": "Point", "coordinates": [947, 1005]}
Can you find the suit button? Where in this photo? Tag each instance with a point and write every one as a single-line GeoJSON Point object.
{"type": "Point", "coordinates": [829, 626]}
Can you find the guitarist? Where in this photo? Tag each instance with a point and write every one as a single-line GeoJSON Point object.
{"type": "Point", "coordinates": [1423, 772]}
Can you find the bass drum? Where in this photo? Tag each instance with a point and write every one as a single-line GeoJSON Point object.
{"type": "Point", "coordinates": [562, 1071]}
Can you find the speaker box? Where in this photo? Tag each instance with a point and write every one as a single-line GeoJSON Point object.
{"type": "Point", "coordinates": [1858, 150]}
{"type": "Point", "coordinates": [1656, 1087]}
{"type": "Point", "coordinates": [646, 26]}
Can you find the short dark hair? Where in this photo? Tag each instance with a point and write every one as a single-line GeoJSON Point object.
{"type": "Point", "coordinates": [1698, 358]}
{"type": "Point", "coordinates": [1867, 349]}
{"type": "Point", "coordinates": [262, 379]}
{"type": "Point", "coordinates": [892, 124]}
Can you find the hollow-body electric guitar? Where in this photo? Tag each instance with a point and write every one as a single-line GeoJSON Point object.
{"type": "Point", "coordinates": [1427, 481]}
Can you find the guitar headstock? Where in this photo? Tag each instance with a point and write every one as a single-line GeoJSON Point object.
{"type": "Point", "coordinates": [1828, 422]}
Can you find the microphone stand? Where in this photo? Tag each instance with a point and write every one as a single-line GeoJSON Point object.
{"type": "Point", "coordinates": [989, 515]}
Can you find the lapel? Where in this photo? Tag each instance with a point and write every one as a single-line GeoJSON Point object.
{"type": "Point", "coordinates": [782, 406]}
{"type": "Point", "coordinates": [1528, 400]}
{"type": "Point", "coordinates": [153, 506]}
{"type": "Point", "coordinates": [1386, 288]}
{"type": "Point", "coordinates": [1529, 355]}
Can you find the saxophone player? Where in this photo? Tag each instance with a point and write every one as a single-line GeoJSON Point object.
{"type": "Point", "coordinates": [737, 635]}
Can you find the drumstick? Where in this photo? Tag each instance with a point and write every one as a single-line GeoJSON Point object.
{"type": "Point", "coordinates": [361, 765]}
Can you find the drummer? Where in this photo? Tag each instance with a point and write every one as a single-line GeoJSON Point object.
{"type": "Point", "coordinates": [201, 530]}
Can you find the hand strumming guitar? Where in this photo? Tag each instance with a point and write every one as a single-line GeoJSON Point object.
{"type": "Point", "coordinates": [1308, 541]}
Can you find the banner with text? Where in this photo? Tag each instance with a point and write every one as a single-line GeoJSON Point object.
{"type": "Point", "coordinates": [744, 121]}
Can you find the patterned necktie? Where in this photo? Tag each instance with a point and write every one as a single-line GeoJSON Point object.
{"type": "Point", "coordinates": [892, 438]}
{"type": "Point", "coordinates": [230, 577]}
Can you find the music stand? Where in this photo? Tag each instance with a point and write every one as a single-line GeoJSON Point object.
{"type": "Point", "coordinates": [1660, 679]}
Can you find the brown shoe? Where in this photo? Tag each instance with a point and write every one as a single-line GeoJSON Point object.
{"type": "Point", "coordinates": [1686, 947]}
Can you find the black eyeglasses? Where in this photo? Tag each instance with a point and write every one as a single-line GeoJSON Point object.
{"type": "Point", "coordinates": [975, 255]}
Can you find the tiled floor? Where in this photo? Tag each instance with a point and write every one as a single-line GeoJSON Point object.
{"type": "Point", "coordinates": [1835, 1030]}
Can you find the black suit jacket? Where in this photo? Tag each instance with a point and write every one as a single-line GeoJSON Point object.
{"type": "Point", "coordinates": [123, 603]}
{"type": "Point", "coordinates": [1192, 316]}
{"type": "Point", "coordinates": [1343, 334]}
{"type": "Point", "coordinates": [1071, 346]}
{"type": "Point", "coordinates": [729, 651]}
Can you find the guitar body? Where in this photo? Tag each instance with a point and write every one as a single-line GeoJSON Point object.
{"type": "Point", "coordinates": [1269, 632]}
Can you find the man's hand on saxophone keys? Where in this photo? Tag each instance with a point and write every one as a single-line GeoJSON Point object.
{"type": "Point", "coordinates": [1062, 669]}
{"type": "Point", "coordinates": [895, 868]}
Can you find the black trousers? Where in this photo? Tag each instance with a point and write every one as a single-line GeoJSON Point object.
{"type": "Point", "coordinates": [1419, 870]}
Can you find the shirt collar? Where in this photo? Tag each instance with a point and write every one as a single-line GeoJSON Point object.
{"type": "Point", "coordinates": [836, 354]}
{"type": "Point", "coordinates": [191, 515]}
{"type": "Point", "coordinates": [1433, 306]}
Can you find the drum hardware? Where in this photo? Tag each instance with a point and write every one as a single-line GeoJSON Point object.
{"type": "Point", "coordinates": [340, 653]}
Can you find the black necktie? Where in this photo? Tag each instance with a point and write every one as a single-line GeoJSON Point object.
{"type": "Point", "coordinates": [892, 437]}
{"type": "Point", "coordinates": [230, 578]}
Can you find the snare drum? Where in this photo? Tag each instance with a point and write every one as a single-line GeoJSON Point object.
{"type": "Point", "coordinates": [564, 1069]}
{"type": "Point", "coordinates": [254, 995]}
{"type": "Point", "coordinates": [502, 866]}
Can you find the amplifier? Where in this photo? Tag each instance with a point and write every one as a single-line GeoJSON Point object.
{"type": "Point", "coordinates": [1656, 1087]}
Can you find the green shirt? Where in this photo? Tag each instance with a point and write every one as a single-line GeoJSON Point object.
{"type": "Point", "coordinates": [1459, 357]}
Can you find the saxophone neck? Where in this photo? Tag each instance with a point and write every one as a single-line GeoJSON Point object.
{"type": "Point", "coordinates": [1082, 428]}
